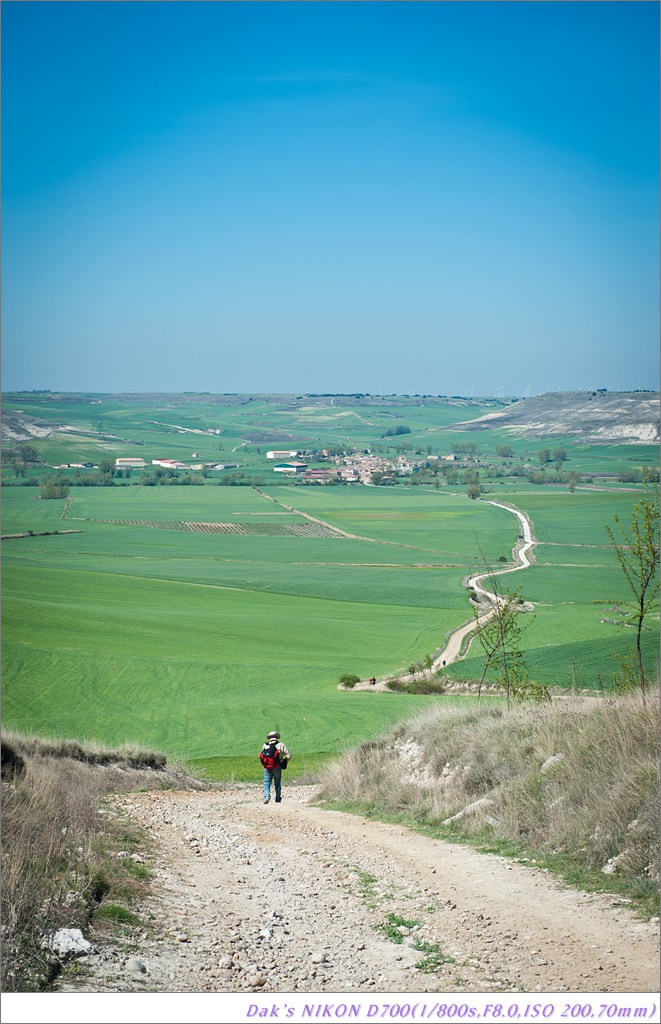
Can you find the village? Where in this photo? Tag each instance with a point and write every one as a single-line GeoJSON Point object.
{"type": "Point", "coordinates": [363, 467]}
{"type": "Point", "coordinates": [359, 467]}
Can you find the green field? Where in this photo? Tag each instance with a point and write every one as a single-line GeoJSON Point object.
{"type": "Point", "coordinates": [197, 643]}
{"type": "Point", "coordinates": [194, 619]}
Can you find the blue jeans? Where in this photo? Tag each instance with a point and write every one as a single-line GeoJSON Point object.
{"type": "Point", "coordinates": [276, 777]}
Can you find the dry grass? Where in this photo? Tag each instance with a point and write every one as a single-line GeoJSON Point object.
{"type": "Point", "coordinates": [59, 843]}
{"type": "Point", "coordinates": [597, 802]}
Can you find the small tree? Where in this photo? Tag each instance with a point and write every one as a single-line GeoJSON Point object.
{"type": "Point", "coordinates": [464, 448]}
{"type": "Point", "coordinates": [488, 635]}
{"type": "Point", "coordinates": [51, 488]}
{"type": "Point", "coordinates": [637, 553]}
{"type": "Point", "coordinates": [472, 480]}
{"type": "Point", "coordinates": [28, 453]}
{"type": "Point", "coordinates": [500, 637]}
{"type": "Point", "coordinates": [18, 465]}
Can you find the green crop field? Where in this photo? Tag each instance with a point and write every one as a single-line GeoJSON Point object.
{"type": "Point", "coordinates": [197, 643]}
{"type": "Point", "coordinates": [194, 619]}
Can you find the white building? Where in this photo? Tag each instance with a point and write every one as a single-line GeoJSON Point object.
{"type": "Point", "coordinates": [290, 467]}
{"type": "Point", "coordinates": [282, 455]}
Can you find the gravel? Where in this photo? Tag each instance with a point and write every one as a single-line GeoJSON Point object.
{"type": "Point", "coordinates": [293, 897]}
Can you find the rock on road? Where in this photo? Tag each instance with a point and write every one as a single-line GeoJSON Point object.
{"type": "Point", "coordinates": [295, 898]}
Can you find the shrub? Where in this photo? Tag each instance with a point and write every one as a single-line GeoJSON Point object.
{"type": "Point", "coordinates": [418, 686]}
{"type": "Point", "coordinates": [426, 686]}
{"type": "Point", "coordinates": [58, 852]}
{"type": "Point", "coordinates": [401, 428]}
{"type": "Point", "coordinates": [349, 681]}
{"type": "Point", "coordinates": [396, 685]}
{"type": "Point", "coordinates": [54, 489]}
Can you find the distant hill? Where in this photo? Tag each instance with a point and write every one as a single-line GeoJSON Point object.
{"type": "Point", "coordinates": [595, 417]}
{"type": "Point", "coordinates": [17, 427]}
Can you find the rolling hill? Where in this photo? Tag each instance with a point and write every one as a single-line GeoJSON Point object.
{"type": "Point", "coordinates": [594, 417]}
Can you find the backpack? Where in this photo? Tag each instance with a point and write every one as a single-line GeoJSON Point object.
{"type": "Point", "coordinates": [270, 757]}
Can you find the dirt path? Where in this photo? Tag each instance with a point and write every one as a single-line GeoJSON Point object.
{"type": "Point", "coordinates": [291, 897]}
{"type": "Point", "coordinates": [312, 519]}
{"type": "Point", "coordinates": [522, 552]}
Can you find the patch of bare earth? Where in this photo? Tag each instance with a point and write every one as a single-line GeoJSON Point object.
{"type": "Point", "coordinates": [293, 897]}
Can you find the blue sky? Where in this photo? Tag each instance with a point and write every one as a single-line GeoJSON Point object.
{"type": "Point", "coordinates": [272, 197]}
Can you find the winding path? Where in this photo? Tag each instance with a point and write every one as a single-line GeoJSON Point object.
{"type": "Point", "coordinates": [522, 555]}
{"type": "Point", "coordinates": [521, 552]}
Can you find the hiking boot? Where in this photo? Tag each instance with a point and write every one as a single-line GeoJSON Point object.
{"type": "Point", "coordinates": [278, 799]}
{"type": "Point", "coordinates": [267, 799]}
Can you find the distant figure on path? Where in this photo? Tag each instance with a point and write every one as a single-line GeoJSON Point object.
{"type": "Point", "coordinates": [372, 680]}
{"type": "Point", "coordinates": [274, 757]}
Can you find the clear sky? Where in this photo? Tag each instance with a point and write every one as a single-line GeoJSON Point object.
{"type": "Point", "coordinates": [435, 197]}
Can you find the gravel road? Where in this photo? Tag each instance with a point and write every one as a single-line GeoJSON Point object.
{"type": "Point", "coordinates": [293, 897]}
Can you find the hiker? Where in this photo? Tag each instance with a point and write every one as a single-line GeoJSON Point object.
{"type": "Point", "coordinates": [372, 680]}
{"type": "Point", "coordinates": [274, 757]}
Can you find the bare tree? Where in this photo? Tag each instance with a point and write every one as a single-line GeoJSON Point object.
{"type": "Point", "coordinates": [489, 636]}
{"type": "Point", "coordinates": [500, 636]}
{"type": "Point", "coordinates": [637, 553]}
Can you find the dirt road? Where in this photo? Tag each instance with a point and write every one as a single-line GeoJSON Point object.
{"type": "Point", "coordinates": [521, 552]}
{"type": "Point", "coordinates": [292, 897]}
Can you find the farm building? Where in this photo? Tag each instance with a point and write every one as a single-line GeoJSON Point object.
{"type": "Point", "coordinates": [129, 463]}
{"type": "Point", "coordinates": [290, 467]}
{"type": "Point", "coordinates": [322, 476]}
{"type": "Point", "coordinates": [282, 455]}
{"type": "Point", "coordinates": [168, 463]}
